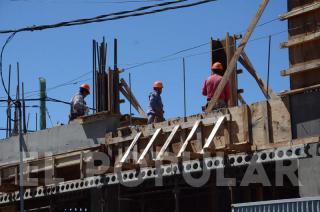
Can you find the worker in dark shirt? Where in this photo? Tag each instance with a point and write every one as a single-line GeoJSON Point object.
{"type": "Point", "coordinates": [78, 106]}
{"type": "Point", "coordinates": [211, 84]}
{"type": "Point", "coordinates": [155, 108]}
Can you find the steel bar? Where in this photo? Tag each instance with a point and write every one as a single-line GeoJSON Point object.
{"type": "Point", "coordinates": [116, 79]}
{"type": "Point", "coordinates": [130, 101]}
{"type": "Point", "coordinates": [9, 106]}
{"type": "Point", "coordinates": [93, 73]}
{"type": "Point", "coordinates": [269, 58]}
{"type": "Point", "coordinates": [36, 121]}
{"type": "Point", "coordinates": [23, 110]}
{"type": "Point", "coordinates": [28, 122]}
{"type": "Point", "coordinates": [184, 89]}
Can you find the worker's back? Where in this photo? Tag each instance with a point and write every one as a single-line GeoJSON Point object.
{"type": "Point", "coordinates": [210, 87]}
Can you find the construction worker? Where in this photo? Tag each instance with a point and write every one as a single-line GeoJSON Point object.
{"type": "Point", "coordinates": [78, 105]}
{"type": "Point", "coordinates": [211, 84]}
{"type": "Point", "coordinates": [155, 108]}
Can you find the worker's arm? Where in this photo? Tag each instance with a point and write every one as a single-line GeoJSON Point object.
{"type": "Point", "coordinates": [204, 89]}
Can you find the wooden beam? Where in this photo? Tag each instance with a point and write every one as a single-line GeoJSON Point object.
{"type": "Point", "coordinates": [126, 154]}
{"type": "Point", "coordinates": [302, 67]}
{"type": "Point", "coordinates": [245, 61]}
{"type": "Point", "coordinates": [186, 142]}
{"type": "Point", "coordinates": [167, 142]}
{"type": "Point", "coordinates": [132, 98]}
{"type": "Point", "coordinates": [303, 38]}
{"type": "Point", "coordinates": [241, 99]}
{"type": "Point", "coordinates": [147, 148]}
{"type": "Point", "coordinates": [300, 10]}
{"type": "Point", "coordinates": [232, 64]}
{"type": "Point", "coordinates": [230, 48]}
{"type": "Point", "coordinates": [82, 168]}
{"type": "Point", "coordinates": [299, 90]}
{"type": "Point", "coordinates": [213, 134]}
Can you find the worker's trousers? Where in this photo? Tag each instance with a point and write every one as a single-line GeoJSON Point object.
{"type": "Point", "coordinates": [220, 104]}
{"type": "Point", "coordinates": [155, 119]}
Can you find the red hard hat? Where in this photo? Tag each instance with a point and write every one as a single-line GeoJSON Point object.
{"type": "Point", "coordinates": [157, 84]}
{"type": "Point", "coordinates": [85, 86]}
{"type": "Point", "coordinates": [217, 66]}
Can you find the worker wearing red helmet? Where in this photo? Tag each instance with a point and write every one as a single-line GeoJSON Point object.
{"type": "Point", "coordinates": [78, 106]}
{"type": "Point", "coordinates": [155, 108]}
{"type": "Point", "coordinates": [211, 84]}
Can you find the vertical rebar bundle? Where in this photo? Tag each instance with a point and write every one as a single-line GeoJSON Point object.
{"type": "Point", "coordinates": [105, 82]}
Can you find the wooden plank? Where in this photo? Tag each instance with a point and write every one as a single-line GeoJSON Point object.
{"type": "Point", "coordinates": [257, 127]}
{"type": "Point", "coordinates": [133, 98]}
{"type": "Point", "coordinates": [126, 154]}
{"type": "Point", "coordinates": [280, 121]}
{"type": "Point", "coordinates": [147, 148]}
{"type": "Point", "coordinates": [299, 90]}
{"type": "Point", "coordinates": [245, 124]}
{"type": "Point", "coordinates": [230, 49]}
{"type": "Point", "coordinates": [241, 99]}
{"type": "Point", "coordinates": [302, 67]}
{"type": "Point", "coordinates": [82, 173]}
{"type": "Point", "coordinates": [245, 61]}
{"type": "Point", "coordinates": [232, 64]}
{"type": "Point", "coordinates": [136, 105]}
{"type": "Point", "coordinates": [53, 165]}
{"type": "Point", "coordinates": [213, 134]}
{"type": "Point", "coordinates": [186, 142]}
{"type": "Point", "coordinates": [267, 125]}
{"type": "Point", "coordinates": [167, 142]}
{"type": "Point", "coordinates": [300, 39]}
{"type": "Point", "coordinates": [300, 10]}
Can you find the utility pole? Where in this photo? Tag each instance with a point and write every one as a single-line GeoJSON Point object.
{"type": "Point", "coordinates": [42, 103]}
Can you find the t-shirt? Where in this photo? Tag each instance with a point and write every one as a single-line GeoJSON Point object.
{"type": "Point", "coordinates": [210, 87]}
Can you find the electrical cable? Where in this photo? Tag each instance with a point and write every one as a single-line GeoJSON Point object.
{"type": "Point", "coordinates": [106, 17]}
{"type": "Point", "coordinates": [1, 57]}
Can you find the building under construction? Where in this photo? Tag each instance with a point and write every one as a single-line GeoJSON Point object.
{"type": "Point", "coordinates": [206, 162]}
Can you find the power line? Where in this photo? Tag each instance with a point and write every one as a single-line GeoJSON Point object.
{"type": "Point", "coordinates": [202, 53]}
{"type": "Point", "coordinates": [1, 56]}
{"type": "Point", "coordinates": [103, 2]}
{"type": "Point", "coordinates": [108, 17]}
{"type": "Point", "coordinates": [121, 2]}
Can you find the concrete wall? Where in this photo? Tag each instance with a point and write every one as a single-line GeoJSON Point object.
{"type": "Point", "coordinates": [59, 139]}
{"type": "Point", "coordinates": [305, 114]}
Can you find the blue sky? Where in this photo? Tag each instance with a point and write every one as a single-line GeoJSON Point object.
{"type": "Point", "coordinates": [60, 55]}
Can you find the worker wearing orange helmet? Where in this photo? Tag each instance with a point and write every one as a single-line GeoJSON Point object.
{"type": "Point", "coordinates": [78, 106]}
{"type": "Point", "coordinates": [155, 108]}
{"type": "Point", "coordinates": [211, 84]}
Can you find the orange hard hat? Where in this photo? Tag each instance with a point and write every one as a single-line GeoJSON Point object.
{"type": "Point", "coordinates": [217, 66]}
{"type": "Point", "coordinates": [157, 84]}
{"type": "Point", "coordinates": [85, 86]}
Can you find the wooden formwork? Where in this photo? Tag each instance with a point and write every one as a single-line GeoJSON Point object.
{"type": "Point", "coordinates": [237, 129]}
{"type": "Point", "coordinates": [303, 43]}
{"type": "Point", "coordinates": [304, 59]}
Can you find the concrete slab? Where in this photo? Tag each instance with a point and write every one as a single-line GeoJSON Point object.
{"type": "Point", "coordinates": [60, 139]}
